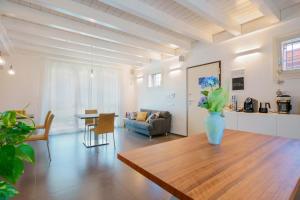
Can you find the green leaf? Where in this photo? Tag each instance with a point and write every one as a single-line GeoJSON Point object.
{"type": "Point", "coordinates": [18, 170]}
{"type": "Point", "coordinates": [217, 100]}
{"type": "Point", "coordinates": [25, 152]}
{"type": "Point", "coordinates": [11, 167]}
{"type": "Point", "coordinates": [9, 118]}
{"type": "Point", "coordinates": [7, 191]}
{"type": "Point", "coordinates": [7, 155]}
{"type": "Point", "coordinates": [205, 93]}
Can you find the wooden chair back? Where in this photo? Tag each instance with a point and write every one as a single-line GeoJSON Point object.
{"type": "Point", "coordinates": [48, 126]}
{"type": "Point", "coordinates": [106, 123]}
{"type": "Point", "coordinates": [21, 112]}
{"type": "Point", "coordinates": [47, 117]}
{"type": "Point", "coordinates": [90, 121]}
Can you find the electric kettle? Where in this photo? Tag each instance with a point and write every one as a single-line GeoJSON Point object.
{"type": "Point", "coordinates": [263, 107]}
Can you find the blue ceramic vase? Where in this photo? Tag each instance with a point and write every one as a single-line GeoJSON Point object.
{"type": "Point", "coordinates": [214, 126]}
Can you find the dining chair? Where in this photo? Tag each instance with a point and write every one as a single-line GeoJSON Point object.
{"type": "Point", "coordinates": [89, 122]}
{"type": "Point", "coordinates": [44, 136]}
{"type": "Point", "coordinates": [45, 122]}
{"type": "Point", "coordinates": [105, 124]}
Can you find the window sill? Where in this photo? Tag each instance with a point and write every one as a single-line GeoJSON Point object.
{"type": "Point", "coordinates": [293, 74]}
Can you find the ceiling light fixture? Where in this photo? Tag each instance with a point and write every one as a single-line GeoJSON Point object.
{"type": "Point", "coordinates": [2, 61]}
{"type": "Point", "coordinates": [92, 73]}
{"type": "Point", "coordinates": [11, 71]}
{"type": "Point", "coordinates": [248, 52]}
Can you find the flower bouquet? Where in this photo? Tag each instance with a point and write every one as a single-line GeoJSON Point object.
{"type": "Point", "coordinates": [214, 99]}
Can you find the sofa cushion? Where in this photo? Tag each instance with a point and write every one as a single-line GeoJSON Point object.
{"type": "Point", "coordinates": [141, 116]}
{"type": "Point", "coordinates": [162, 114]}
{"type": "Point", "coordinates": [132, 115]}
{"type": "Point", "coordinates": [153, 116]}
{"type": "Point", "coordinates": [138, 124]}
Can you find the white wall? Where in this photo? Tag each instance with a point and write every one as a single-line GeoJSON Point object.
{"type": "Point", "coordinates": [259, 81]}
{"type": "Point", "coordinates": [25, 87]}
{"type": "Point", "coordinates": [170, 96]}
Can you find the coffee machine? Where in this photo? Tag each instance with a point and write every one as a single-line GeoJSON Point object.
{"type": "Point", "coordinates": [284, 104]}
{"type": "Point", "coordinates": [250, 105]}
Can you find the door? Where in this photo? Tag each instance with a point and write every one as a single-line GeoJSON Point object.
{"type": "Point", "coordinates": [196, 115]}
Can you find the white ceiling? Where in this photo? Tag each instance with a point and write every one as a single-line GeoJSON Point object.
{"type": "Point", "coordinates": [128, 32]}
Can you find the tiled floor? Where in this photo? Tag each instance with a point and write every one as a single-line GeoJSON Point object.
{"type": "Point", "coordinates": [77, 173]}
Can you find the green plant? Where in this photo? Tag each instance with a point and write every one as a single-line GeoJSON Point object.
{"type": "Point", "coordinates": [13, 152]}
{"type": "Point", "coordinates": [214, 98]}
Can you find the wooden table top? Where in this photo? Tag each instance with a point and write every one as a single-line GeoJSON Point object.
{"type": "Point", "coordinates": [89, 116]}
{"type": "Point", "coordinates": [244, 166]}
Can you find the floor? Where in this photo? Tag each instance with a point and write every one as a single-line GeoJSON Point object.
{"type": "Point", "coordinates": [77, 173]}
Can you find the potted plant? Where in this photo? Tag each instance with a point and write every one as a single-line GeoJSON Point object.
{"type": "Point", "coordinates": [214, 99]}
{"type": "Point", "coordinates": [13, 152]}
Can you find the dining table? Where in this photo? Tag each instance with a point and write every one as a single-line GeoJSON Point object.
{"type": "Point", "coordinates": [244, 166]}
{"type": "Point", "coordinates": [95, 141]}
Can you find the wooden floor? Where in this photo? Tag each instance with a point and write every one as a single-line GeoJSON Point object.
{"type": "Point", "coordinates": [77, 173]}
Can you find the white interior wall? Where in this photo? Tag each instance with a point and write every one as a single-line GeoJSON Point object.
{"type": "Point", "coordinates": [259, 75]}
{"type": "Point", "coordinates": [170, 96]}
{"type": "Point", "coordinates": [27, 84]}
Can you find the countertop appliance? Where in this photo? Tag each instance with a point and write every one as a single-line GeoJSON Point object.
{"type": "Point", "coordinates": [250, 105]}
{"type": "Point", "coordinates": [263, 107]}
{"type": "Point", "coordinates": [284, 104]}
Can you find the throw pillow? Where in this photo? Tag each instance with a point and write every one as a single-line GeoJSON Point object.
{"type": "Point", "coordinates": [133, 115]}
{"type": "Point", "coordinates": [152, 116]}
{"type": "Point", "coordinates": [141, 116]}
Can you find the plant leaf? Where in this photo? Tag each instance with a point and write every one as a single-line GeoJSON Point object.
{"type": "Point", "coordinates": [9, 118]}
{"type": "Point", "coordinates": [7, 155]}
{"type": "Point", "coordinates": [25, 152]}
{"type": "Point", "coordinates": [204, 92]}
{"type": "Point", "coordinates": [7, 190]}
{"type": "Point", "coordinates": [18, 170]}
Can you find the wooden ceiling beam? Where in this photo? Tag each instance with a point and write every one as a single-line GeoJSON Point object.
{"type": "Point", "coordinates": [58, 22]}
{"type": "Point", "coordinates": [204, 9]}
{"type": "Point", "coordinates": [93, 15]}
{"type": "Point", "coordinates": [146, 12]}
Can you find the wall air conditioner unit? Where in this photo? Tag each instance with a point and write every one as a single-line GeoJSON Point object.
{"type": "Point", "coordinates": [181, 58]}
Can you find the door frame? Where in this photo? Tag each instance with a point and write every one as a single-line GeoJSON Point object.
{"type": "Point", "coordinates": [187, 87]}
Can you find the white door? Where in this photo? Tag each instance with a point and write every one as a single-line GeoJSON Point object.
{"type": "Point", "coordinates": [196, 115]}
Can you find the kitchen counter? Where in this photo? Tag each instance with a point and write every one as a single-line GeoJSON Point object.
{"type": "Point", "coordinates": [285, 125]}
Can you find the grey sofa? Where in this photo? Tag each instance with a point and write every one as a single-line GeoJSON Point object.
{"type": "Point", "coordinates": [159, 126]}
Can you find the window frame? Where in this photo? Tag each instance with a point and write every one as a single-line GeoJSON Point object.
{"type": "Point", "coordinates": [278, 59]}
{"type": "Point", "coordinates": [151, 77]}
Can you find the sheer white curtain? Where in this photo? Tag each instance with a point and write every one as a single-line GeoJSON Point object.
{"type": "Point", "coordinates": [69, 89]}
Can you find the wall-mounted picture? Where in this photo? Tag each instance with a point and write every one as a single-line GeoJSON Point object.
{"type": "Point", "coordinates": [238, 79]}
{"type": "Point", "coordinates": [238, 83]}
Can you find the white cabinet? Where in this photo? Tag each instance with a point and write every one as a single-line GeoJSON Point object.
{"type": "Point", "coordinates": [257, 123]}
{"type": "Point", "coordinates": [231, 120]}
{"type": "Point", "coordinates": [288, 126]}
{"type": "Point", "coordinates": [264, 123]}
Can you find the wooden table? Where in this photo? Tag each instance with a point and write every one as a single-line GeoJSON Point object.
{"type": "Point", "coordinates": [95, 142]}
{"type": "Point", "coordinates": [244, 166]}
{"type": "Point", "coordinates": [89, 116]}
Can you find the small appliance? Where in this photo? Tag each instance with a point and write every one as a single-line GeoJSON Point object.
{"type": "Point", "coordinates": [284, 104]}
{"type": "Point", "coordinates": [234, 102]}
{"type": "Point", "coordinates": [263, 107]}
{"type": "Point", "coordinates": [250, 105]}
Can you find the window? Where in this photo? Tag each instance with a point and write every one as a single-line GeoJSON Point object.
{"type": "Point", "coordinates": [154, 80]}
{"type": "Point", "coordinates": [290, 54]}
